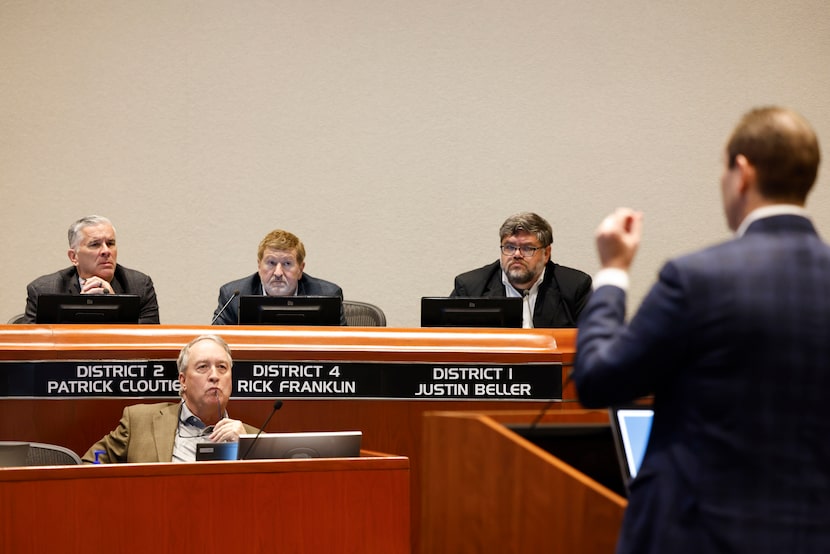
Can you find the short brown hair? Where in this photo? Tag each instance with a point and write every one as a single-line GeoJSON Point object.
{"type": "Point", "coordinates": [528, 222]}
{"type": "Point", "coordinates": [282, 240]}
{"type": "Point", "coordinates": [783, 149]}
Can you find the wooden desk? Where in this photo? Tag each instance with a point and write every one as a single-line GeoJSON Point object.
{"type": "Point", "coordinates": [339, 505]}
{"type": "Point", "coordinates": [487, 489]}
{"type": "Point", "coordinates": [388, 425]}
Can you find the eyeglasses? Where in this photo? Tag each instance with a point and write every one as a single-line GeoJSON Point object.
{"type": "Point", "coordinates": [527, 251]}
{"type": "Point", "coordinates": [201, 433]}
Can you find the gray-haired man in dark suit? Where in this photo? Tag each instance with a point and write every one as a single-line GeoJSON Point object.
{"type": "Point", "coordinates": [93, 253]}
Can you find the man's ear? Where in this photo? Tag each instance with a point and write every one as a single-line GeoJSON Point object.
{"type": "Point", "coordinates": [72, 257]}
{"type": "Point", "coordinates": [748, 177]}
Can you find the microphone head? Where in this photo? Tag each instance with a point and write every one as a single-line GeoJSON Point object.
{"type": "Point", "coordinates": [235, 293]}
{"type": "Point", "coordinates": [277, 405]}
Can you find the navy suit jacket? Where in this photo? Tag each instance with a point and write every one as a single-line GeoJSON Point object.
{"type": "Point", "coordinates": [562, 294]}
{"type": "Point", "coordinates": [124, 281]}
{"type": "Point", "coordinates": [734, 344]}
{"type": "Point", "coordinates": [252, 285]}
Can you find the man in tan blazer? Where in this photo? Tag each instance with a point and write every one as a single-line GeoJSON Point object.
{"type": "Point", "coordinates": [168, 432]}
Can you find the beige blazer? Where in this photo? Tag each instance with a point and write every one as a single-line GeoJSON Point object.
{"type": "Point", "coordinates": [146, 433]}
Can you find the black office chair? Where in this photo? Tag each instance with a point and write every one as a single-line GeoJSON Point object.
{"type": "Point", "coordinates": [41, 454]}
{"type": "Point", "coordinates": [13, 453]}
{"type": "Point", "coordinates": [363, 314]}
{"type": "Point", "coordinates": [17, 319]}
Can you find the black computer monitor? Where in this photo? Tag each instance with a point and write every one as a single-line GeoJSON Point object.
{"type": "Point", "coordinates": [87, 308]}
{"type": "Point", "coordinates": [588, 447]}
{"type": "Point", "coordinates": [326, 444]}
{"type": "Point", "coordinates": [289, 310]}
{"type": "Point", "coordinates": [471, 312]}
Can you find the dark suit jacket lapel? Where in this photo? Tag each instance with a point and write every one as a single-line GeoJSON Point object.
{"type": "Point", "coordinates": [70, 281]}
{"type": "Point", "coordinates": [116, 284]}
{"type": "Point", "coordinates": [494, 286]}
{"type": "Point", "coordinates": [254, 287]}
{"type": "Point", "coordinates": [301, 287]}
{"type": "Point", "coordinates": [547, 303]}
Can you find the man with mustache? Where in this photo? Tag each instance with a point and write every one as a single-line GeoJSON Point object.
{"type": "Point", "coordinates": [280, 262]}
{"type": "Point", "coordinates": [554, 294]}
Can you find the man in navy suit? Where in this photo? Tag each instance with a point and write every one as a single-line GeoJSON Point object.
{"type": "Point", "coordinates": [554, 294]}
{"type": "Point", "coordinates": [280, 265]}
{"type": "Point", "coordinates": [734, 344]}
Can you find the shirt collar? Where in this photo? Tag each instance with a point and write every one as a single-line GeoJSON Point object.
{"type": "Point", "coordinates": [189, 418]}
{"type": "Point", "coordinates": [769, 211]}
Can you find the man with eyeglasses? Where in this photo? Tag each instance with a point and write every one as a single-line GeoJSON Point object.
{"type": "Point", "coordinates": [168, 432]}
{"type": "Point", "coordinates": [554, 295]}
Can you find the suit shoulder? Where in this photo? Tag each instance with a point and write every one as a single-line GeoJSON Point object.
{"type": "Point", "coordinates": [723, 252]}
{"type": "Point", "coordinates": [146, 410]}
{"type": "Point", "coordinates": [52, 280]}
{"type": "Point", "coordinates": [245, 285]}
{"type": "Point", "coordinates": [315, 286]}
{"type": "Point", "coordinates": [482, 273]}
{"type": "Point", "coordinates": [572, 281]}
{"type": "Point", "coordinates": [132, 275]}
{"type": "Point", "coordinates": [154, 407]}
{"type": "Point", "coordinates": [482, 281]}
{"type": "Point", "coordinates": [572, 273]}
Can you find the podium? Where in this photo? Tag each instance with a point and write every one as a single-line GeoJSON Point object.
{"type": "Point", "coordinates": [487, 489]}
{"type": "Point", "coordinates": [344, 505]}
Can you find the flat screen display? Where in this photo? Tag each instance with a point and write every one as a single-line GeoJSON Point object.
{"type": "Point", "coordinates": [87, 308]}
{"type": "Point", "coordinates": [326, 444]}
{"type": "Point", "coordinates": [289, 310]}
{"type": "Point", "coordinates": [471, 312]}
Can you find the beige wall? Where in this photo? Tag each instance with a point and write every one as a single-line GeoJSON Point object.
{"type": "Point", "coordinates": [393, 137]}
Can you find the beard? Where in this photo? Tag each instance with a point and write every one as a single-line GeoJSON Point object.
{"type": "Point", "coordinates": [278, 288]}
{"type": "Point", "coordinates": [520, 275]}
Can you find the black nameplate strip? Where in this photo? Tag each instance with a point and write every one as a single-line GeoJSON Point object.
{"type": "Point", "coordinates": [307, 379]}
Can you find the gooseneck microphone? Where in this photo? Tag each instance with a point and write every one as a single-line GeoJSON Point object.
{"type": "Point", "coordinates": [220, 312]}
{"type": "Point", "coordinates": [277, 406]}
{"type": "Point", "coordinates": [550, 403]}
